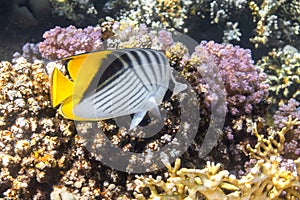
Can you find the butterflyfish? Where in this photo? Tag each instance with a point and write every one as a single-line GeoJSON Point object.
{"type": "Point", "coordinates": [112, 83]}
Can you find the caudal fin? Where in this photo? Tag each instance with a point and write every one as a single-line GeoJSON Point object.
{"type": "Point", "coordinates": [61, 87]}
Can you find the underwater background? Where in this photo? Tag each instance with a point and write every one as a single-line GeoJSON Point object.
{"type": "Point", "coordinates": [251, 46]}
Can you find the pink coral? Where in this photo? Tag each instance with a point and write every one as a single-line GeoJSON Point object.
{"type": "Point", "coordinates": [242, 80]}
{"type": "Point", "coordinates": [165, 38]}
{"type": "Point", "coordinates": [292, 144]}
{"type": "Point", "coordinates": [63, 42]}
{"type": "Point", "coordinates": [229, 67]}
{"type": "Point", "coordinates": [30, 52]}
{"type": "Point", "coordinates": [282, 114]}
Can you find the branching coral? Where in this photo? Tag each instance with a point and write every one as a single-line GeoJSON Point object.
{"type": "Point", "coordinates": [30, 52]}
{"type": "Point", "coordinates": [277, 22]}
{"type": "Point", "coordinates": [242, 80]}
{"type": "Point", "coordinates": [283, 72]}
{"type": "Point", "coordinates": [265, 180]}
{"type": "Point", "coordinates": [63, 42]}
{"type": "Point", "coordinates": [232, 32]}
{"type": "Point", "coordinates": [79, 11]}
{"type": "Point", "coordinates": [158, 13]}
{"type": "Point", "coordinates": [292, 144]}
{"type": "Point", "coordinates": [271, 146]}
{"type": "Point", "coordinates": [35, 143]}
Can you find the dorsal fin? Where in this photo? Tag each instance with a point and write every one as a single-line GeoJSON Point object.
{"type": "Point", "coordinates": [90, 71]}
{"type": "Point", "coordinates": [74, 63]}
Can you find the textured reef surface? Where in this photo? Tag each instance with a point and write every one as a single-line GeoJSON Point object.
{"type": "Point", "coordinates": [243, 66]}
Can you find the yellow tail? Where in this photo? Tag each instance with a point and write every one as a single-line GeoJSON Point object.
{"type": "Point", "coordinates": [61, 87]}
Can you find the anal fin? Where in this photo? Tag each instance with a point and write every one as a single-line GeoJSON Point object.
{"type": "Point", "coordinates": [137, 118]}
{"type": "Point", "coordinates": [153, 107]}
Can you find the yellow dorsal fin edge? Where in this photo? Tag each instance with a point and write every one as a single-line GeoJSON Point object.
{"type": "Point", "coordinates": [85, 61]}
{"type": "Point", "coordinates": [74, 65]}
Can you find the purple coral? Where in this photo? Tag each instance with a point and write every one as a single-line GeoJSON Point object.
{"type": "Point", "coordinates": [242, 80]}
{"type": "Point", "coordinates": [292, 144]}
{"type": "Point", "coordinates": [63, 42]}
{"type": "Point", "coordinates": [165, 38]}
{"type": "Point", "coordinates": [286, 110]}
{"type": "Point", "coordinates": [30, 52]}
{"type": "Point", "coordinates": [229, 67]}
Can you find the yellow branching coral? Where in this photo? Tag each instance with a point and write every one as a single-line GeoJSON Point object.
{"type": "Point", "coordinates": [267, 147]}
{"type": "Point", "coordinates": [266, 180]}
{"type": "Point", "coordinates": [159, 13]}
{"type": "Point", "coordinates": [283, 71]}
{"type": "Point", "coordinates": [272, 16]}
{"type": "Point", "coordinates": [263, 12]}
{"type": "Point", "coordinates": [171, 9]}
{"type": "Point", "coordinates": [208, 180]}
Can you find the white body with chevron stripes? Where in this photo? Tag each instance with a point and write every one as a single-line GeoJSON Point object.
{"type": "Point", "coordinates": [131, 81]}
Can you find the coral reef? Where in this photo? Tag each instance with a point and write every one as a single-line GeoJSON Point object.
{"type": "Point", "coordinates": [244, 89]}
{"type": "Point", "coordinates": [265, 180]}
{"type": "Point", "coordinates": [39, 149]}
{"type": "Point", "coordinates": [277, 22]}
{"type": "Point", "coordinates": [78, 11]}
{"type": "Point", "coordinates": [292, 144]}
{"type": "Point", "coordinates": [43, 156]}
{"type": "Point", "coordinates": [282, 69]}
{"type": "Point", "coordinates": [245, 93]}
{"type": "Point", "coordinates": [63, 42]}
